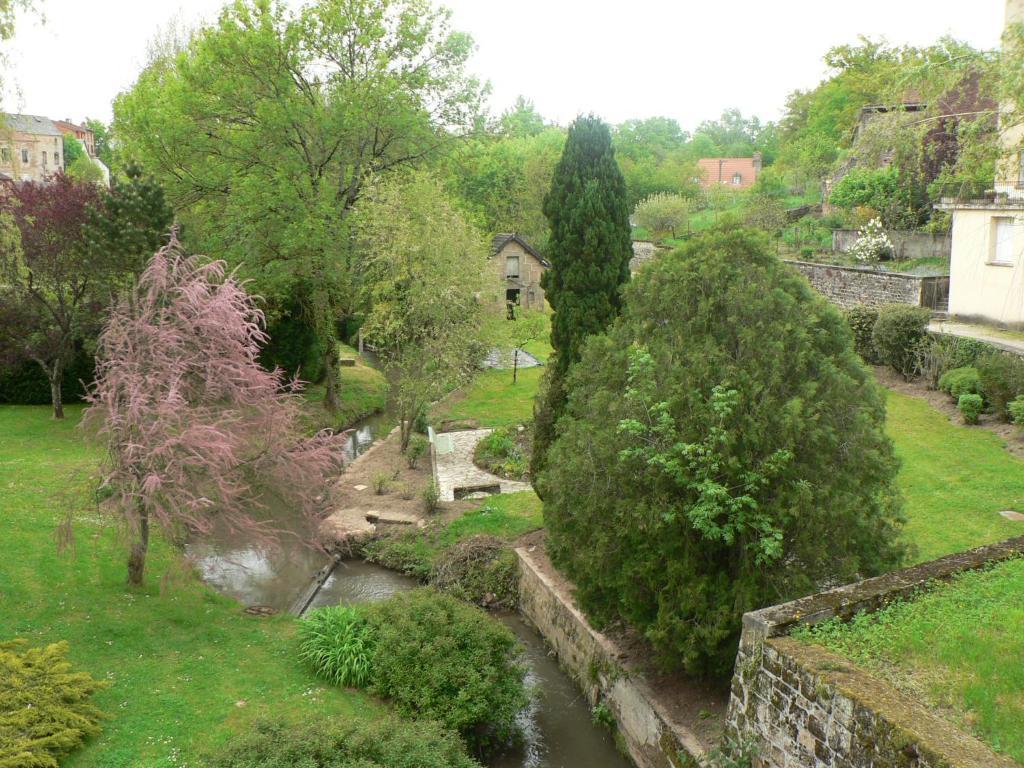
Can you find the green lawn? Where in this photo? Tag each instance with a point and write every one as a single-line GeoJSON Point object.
{"type": "Point", "coordinates": [364, 391]}
{"type": "Point", "coordinates": [492, 399]}
{"type": "Point", "coordinates": [187, 667]}
{"type": "Point", "coordinates": [957, 647]}
{"type": "Point", "coordinates": [955, 479]}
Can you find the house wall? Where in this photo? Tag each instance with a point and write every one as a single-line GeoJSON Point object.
{"type": "Point", "coordinates": [36, 144]}
{"type": "Point", "coordinates": [531, 295]}
{"type": "Point", "coordinates": [980, 288]}
{"type": "Point", "coordinates": [806, 707]}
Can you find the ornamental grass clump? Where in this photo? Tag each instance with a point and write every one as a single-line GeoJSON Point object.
{"type": "Point", "coordinates": [337, 643]}
{"type": "Point", "coordinates": [45, 711]}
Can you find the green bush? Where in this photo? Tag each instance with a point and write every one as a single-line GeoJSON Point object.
{"type": "Point", "coordinates": [293, 346]}
{"type": "Point", "coordinates": [481, 569]}
{"type": "Point", "coordinates": [386, 742]}
{"type": "Point", "coordinates": [862, 322]}
{"type": "Point", "coordinates": [723, 449]}
{"type": "Point", "coordinates": [501, 454]}
{"type": "Point", "coordinates": [441, 659]}
{"type": "Point", "coordinates": [401, 551]}
{"type": "Point", "coordinates": [941, 353]}
{"type": "Point", "coordinates": [970, 407]}
{"type": "Point", "coordinates": [898, 334]}
{"type": "Point", "coordinates": [431, 497]}
{"type": "Point", "coordinates": [337, 643]}
{"type": "Point", "coordinates": [961, 381]}
{"type": "Point", "coordinates": [1002, 380]}
{"type": "Point", "coordinates": [44, 706]}
{"type": "Point", "coordinates": [418, 447]}
{"type": "Point", "coordinates": [1016, 408]}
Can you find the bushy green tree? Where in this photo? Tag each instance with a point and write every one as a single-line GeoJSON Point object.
{"type": "Point", "coordinates": [723, 449]}
{"type": "Point", "coordinates": [589, 250]}
{"type": "Point", "coordinates": [73, 150]}
{"type": "Point", "coordinates": [663, 214]}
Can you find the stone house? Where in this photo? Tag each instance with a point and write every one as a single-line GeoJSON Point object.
{"type": "Point", "coordinates": [31, 148]}
{"type": "Point", "coordinates": [732, 172]}
{"type": "Point", "coordinates": [519, 266]}
{"type": "Point", "coordinates": [80, 132]}
{"type": "Point", "coordinates": [986, 271]}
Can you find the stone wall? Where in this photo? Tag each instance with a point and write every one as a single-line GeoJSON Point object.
{"type": "Point", "coordinates": [906, 244]}
{"type": "Point", "coordinates": [806, 707]}
{"type": "Point", "coordinates": [859, 286]}
{"type": "Point", "coordinates": [652, 727]}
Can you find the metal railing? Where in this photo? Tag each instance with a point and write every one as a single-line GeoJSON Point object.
{"type": "Point", "coordinates": [987, 191]}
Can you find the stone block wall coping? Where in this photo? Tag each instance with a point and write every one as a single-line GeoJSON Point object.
{"type": "Point", "coordinates": [868, 270]}
{"type": "Point", "coordinates": [874, 593]}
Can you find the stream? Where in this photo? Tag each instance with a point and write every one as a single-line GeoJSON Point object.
{"type": "Point", "coordinates": [557, 727]}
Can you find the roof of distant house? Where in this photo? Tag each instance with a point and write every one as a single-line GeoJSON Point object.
{"type": "Point", "coordinates": [40, 126]}
{"type": "Point", "coordinates": [729, 166]}
{"type": "Point", "coordinates": [69, 126]}
{"type": "Point", "coordinates": [502, 239]}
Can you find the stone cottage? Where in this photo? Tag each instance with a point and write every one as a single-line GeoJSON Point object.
{"type": "Point", "coordinates": [519, 266]}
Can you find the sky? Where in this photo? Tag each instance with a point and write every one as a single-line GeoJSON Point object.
{"type": "Point", "coordinates": [628, 59]}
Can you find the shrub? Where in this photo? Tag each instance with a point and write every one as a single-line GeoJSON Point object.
{"type": "Point", "coordinates": [403, 551]}
{"type": "Point", "coordinates": [961, 381]}
{"type": "Point", "coordinates": [1002, 380]}
{"type": "Point", "coordinates": [381, 483]}
{"type": "Point", "coordinates": [431, 498]}
{"type": "Point", "coordinates": [501, 454]}
{"type": "Point", "coordinates": [873, 244]}
{"type": "Point", "coordinates": [723, 449]}
{"type": "Point", "coordinates": [480, 569]}
{"type": "Point", "coordinates": [970, 407]}
{"type": "Point", "coordinates": [442, 659]}
{"type": "Point", "coordinates": [418, 447]}
{"type": "Point", "coordinates": [337, 643]}
{"type": "Point", "coordinates": [44, 706]}
{"type": "Point", "coordinates": [898, 334]}
{"type": "Point", "coordinates": [941, 353]}
{"type": "Point", "coordinates": [862, 322]}
{"type": "Point", "coordinates": [420, 425]}
{"type": "Point", "coordinates": [1016, 408]}
{"type": "Point", "coordinates": [385, 742]}
{"type": "Point", "coordinates": [293, 345]}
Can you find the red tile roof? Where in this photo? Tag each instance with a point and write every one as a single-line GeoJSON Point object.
{"type": "Point", "coordinates": [721, 170]}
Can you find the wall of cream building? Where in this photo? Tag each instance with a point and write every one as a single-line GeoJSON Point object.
{"type": "Point", "coordinates": [978, 287]}
{"type": "Point", "coordinates": [36, 147]}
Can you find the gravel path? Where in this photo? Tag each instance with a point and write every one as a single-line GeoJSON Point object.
{"type": "Point", "coordinates": [456, 470]}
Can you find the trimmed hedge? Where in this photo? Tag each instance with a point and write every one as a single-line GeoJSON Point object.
{"type": "Point", "coordinates": [961, 381]}
{"type": "Point", "coordinates": [862, 322]}
{"type": "Point", "coordinates": [898, 334]}
{"type": "Point", "coordinates": [1001, 376]}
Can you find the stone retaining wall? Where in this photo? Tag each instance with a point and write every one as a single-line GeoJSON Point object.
{"type": "Point", "coordinates": [906, 244]}
{"type": "Point", "coordinates": [859, 286]}
{"type": "Point", "coordinates": [806, 707]}
{"type": "Point", "coordinates": [649, 731]}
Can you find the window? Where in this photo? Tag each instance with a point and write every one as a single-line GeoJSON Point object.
{"type": "Point", "coordinates": [5, 155]}
{"type": "Point", "coordinates": [56, 158]}
{"type": "Point", "coordinates": [512, 268]}
{"type": "Point", "coordinates": [737, 179]}
{"type": "Point", "coordinates": [1002, 240]}
{"type": "Point", "coordinates": [44, 157]}
{"type": "Point", "coordinates": [24, 155]}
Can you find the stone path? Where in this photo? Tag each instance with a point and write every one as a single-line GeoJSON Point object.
{"type": "Point", "coordinates": [980, 332]}
{"type": "Point", "coordinates": [503, 358]}
{"type": "Point", "coordinates": [456, 470]}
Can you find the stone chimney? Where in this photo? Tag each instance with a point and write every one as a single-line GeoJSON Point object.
{"type": "Point", "coordinates": [757, 157]}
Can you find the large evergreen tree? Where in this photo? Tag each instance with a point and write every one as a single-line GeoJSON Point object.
{"type": "Point", "coordinates": [589, 251]}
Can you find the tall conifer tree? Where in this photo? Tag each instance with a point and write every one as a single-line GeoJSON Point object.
{"type": "Point", "coordinates": [589, 250]}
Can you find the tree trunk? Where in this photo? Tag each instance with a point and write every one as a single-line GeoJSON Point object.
{"type": "Point", "coordinates": [55, 373]}
{"type": "Point", "coordinates": [137, 557]}
{"type": "Point", "coordinates": [515, 365]}
{"type": "Point", "coordinates": [331, 361]}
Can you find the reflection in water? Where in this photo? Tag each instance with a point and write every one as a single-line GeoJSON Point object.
{"type": "Point", "coordinates": [356, 581]}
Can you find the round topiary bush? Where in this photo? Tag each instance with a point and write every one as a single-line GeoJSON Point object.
{"type": "Point", "coordinates": [898, 335]}
{"type": "Point", "coordinates": [723, 449]}
{"type": "Point", "coordinates": [384, 743]}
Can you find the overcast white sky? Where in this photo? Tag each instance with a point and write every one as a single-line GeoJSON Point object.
{"type": "Point", "coordinates": [631, 58]}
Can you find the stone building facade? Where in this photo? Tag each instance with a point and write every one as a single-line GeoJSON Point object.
{"type": "Point", "coordinates": [519, 267]}
{"type": "Point", "coordinates": [31, 148]}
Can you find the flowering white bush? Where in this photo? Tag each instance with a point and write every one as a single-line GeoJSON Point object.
{"type": "Point", "coordinates": [872, 243]}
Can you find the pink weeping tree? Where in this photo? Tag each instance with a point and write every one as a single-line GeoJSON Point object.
{"type": "Point", "coordinates": [197, 433]}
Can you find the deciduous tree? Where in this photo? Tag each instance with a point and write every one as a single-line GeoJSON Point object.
{"type": "Point", "coordinates": [663, 214]}
{"type": "Point", "coordinates": [196, 431]}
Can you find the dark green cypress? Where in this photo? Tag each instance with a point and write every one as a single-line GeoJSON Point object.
{"type": "Point", "coordinates": [589, 249]}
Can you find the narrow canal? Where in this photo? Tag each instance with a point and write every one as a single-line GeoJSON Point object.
{"type": "Point", "coordinates": [557, 727]}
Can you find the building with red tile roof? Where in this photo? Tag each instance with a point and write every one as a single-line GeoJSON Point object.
{"type": "Point", "coordinates": [733, 172]}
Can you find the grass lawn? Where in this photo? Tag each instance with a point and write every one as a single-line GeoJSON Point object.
{"type": "Point", "coordinates": [187, 667]}
{"type": "Point", "coordinates": [492, 399]}
{"type": "Point", "coordinates": [957, 646]}
{"type": "Point", "coordinates": [364, 391]}
{"type": "Point", "coordinates": [955, 479]}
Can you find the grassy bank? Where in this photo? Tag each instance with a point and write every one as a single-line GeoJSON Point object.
{"type": "Point", "coordinates": [956, 479]}
{"type": "Point", "coordinates": [492, 399]}
{"type": "Point", "coordinates": [363, 391]}
{"type": "Point", "coordinates": [957, 647]}
{"type": "Point", "coordinates": [187, 667]}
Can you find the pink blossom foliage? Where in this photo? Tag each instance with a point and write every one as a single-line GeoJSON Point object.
{"type": "Point", "coordinates": [197, 433]}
